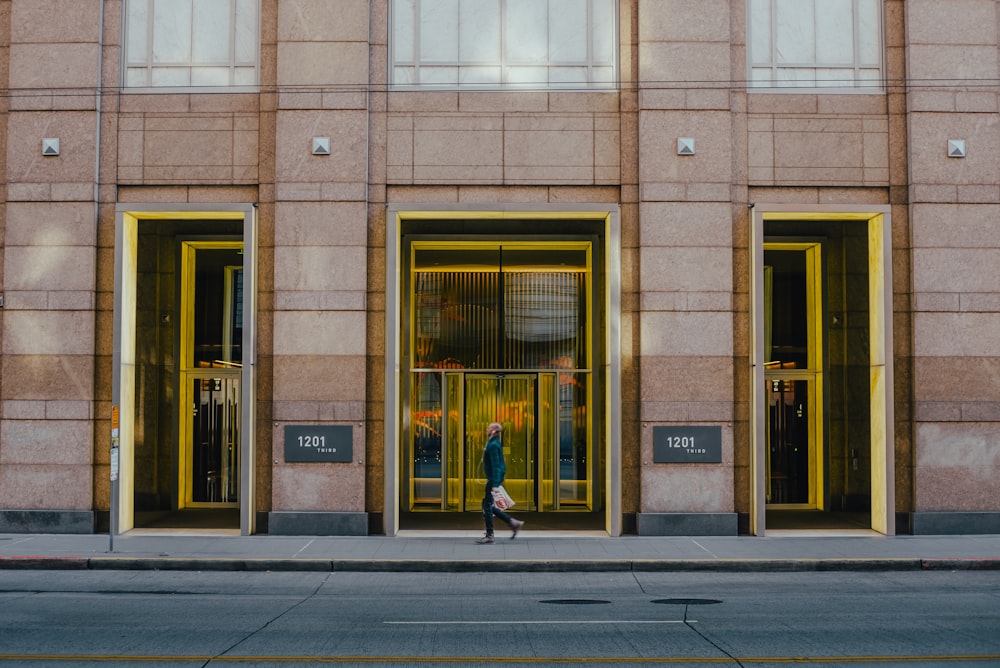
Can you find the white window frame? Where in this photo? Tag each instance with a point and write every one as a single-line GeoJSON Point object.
{"type": "Point", "coordinates": [141, 61]}
{"type": "Point", "coordinates": [409, 70]}
{"type": "Point", "coordinates": [779, 81]}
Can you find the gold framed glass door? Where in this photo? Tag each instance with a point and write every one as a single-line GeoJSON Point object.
{"type": "Point", "coordinates": [793, 374]}
{"type": "Point", "coordinates": [500, 332]}
{"type": "Point", "coordinates": [509, 400]}
{"type": "Point", "coordinates": [210, 373]}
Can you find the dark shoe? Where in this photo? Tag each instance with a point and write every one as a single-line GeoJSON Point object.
{"type": "Point", "coordinates": [485, 540]}
{"type": "Point", "coordinates": [515, 526]}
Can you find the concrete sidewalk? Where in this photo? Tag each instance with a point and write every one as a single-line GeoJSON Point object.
{"type": "Point", "coordinates": [541, 552]}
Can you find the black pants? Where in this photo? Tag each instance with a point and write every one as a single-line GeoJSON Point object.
{"type": "Point", "coordinates": [489, 510]}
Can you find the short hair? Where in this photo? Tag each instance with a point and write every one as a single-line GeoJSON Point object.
{"type": "Point", "coordinates": [494, 426]}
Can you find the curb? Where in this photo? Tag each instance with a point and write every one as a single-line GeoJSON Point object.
{"type": "Point", "coordinates": [105, 563]}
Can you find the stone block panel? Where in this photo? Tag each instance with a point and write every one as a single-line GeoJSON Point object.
{"type": "Point", "coordinates": [696, 64]}
{"type": "Point", "coordinates": [326, 64]}
{"type": "Point", "coordinates": [190, 148]}
{"type": "Point", "coordinates": [956, 379]}
{"type": "Point", "coordinates": [959, 22]}
{"type": "Point", "coordinates": [807, 149]}
{"type": "Point", "coordinates": [952, 335]}
{"type": "Point", "coordinates": [320, 268]}
{"type": "Point", "coordinates": [294, 160]}
{"type": "Point", "coordinates": [954, 225]}
{"type": "Point", "coordinates": [928, 141]}
{"type": "Point", "coordinates": [53, 333]}
{"type": "Point", "coordinates": [45, 487]}
{"type": "Point", "coordinates": [950, 64]}
{"type": "Point", "coordinates": [49, 268]}
{"type": "Point", "coordinates": [956, 270]}
{"type": "Point", "coordinates": [520, 148]}
{"type": "Point", "coordinates": [687, 488]}
{"type": "Point", "coordinates": [318, 486]}
{"type": "Point", "coordinates": [317, 333]}
{"type": "Point", "coordinates": [75, 131]}
{"type": "Point", "coordinates": [658, 159]}
{"type": "Point", "coordinates": [686, 334]}
{"type": "Point", "coordinates": [681, 21]}
{"type": "Point", "coordinates": [44, 442]}
{"type": "Point", "coordinates": [50, 224]}
{"type": "Point", "coordinates": [686, 379]}
{"type": "Point", "coordinates": [56, 21]}
{"type": "Point", "coordinates": [321, 223]}
{"type": "Point", "coordinates": [697, 269]}
{"type": "Point", "coordinates": [313, 21]}
{"type": "Point", "coordinates": [47, 377]}
{"type": "Point", "coordinates": [53, 65]}
{"type": "Point", "coordinates": [319, 379]}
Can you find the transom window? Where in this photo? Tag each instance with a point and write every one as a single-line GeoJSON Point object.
{"type": "Point", "coordinates": [191, 43]}
{"type": "Point", "coordinates": [492, 44]}
{"type": "Point", "coordinates": [815, 44]}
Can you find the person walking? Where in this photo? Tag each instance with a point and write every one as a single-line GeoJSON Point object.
{"type": "Point", "coordinates": [495, 469]}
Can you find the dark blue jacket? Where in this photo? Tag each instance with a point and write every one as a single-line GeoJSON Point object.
{"type": "Point", "coordinates": [493, 463]}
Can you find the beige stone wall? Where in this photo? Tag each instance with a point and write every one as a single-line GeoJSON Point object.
{"type": "Point", "coordinates": [686, 325]}
{"type": "Point", "coordinates": [955, 204]}
{"type": "Point", "coordinates": [49, 256]}
{"type": "Point", "coordinates": [321, 290]}
{"type": "Point", "coordinates": [320, 251]}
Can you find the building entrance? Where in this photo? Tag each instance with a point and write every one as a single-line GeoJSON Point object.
{"type": "Point", "coordinates": [821, 444]}
{"type": "Point", "coordinates": [499, 332]}
{"type": "Point", "coordinates": [184, 325]}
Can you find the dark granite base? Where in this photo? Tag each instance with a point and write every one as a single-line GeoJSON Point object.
{"type": "Point", "coordinates": [686, 524]}
{"type": "Point", "coordinates": [317, 524]}
{"type": "Point", "coordinates": [954, 523]}
{"type": "Point", "coordinates": [46, 521]}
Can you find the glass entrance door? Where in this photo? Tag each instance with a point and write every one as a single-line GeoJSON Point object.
{"type": "Point", "coordinates": [793, 374]}
{"type": "Point", "coordinates": [210, 373]}
{"type": "Point", "coordinates": [509, 400]}
{"type": "Point", "coordinates": [500, 332]}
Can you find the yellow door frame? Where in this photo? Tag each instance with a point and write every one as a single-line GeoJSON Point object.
{"type": "Point", "coordinates": [814, 374]}
{"type": "Point", "coordinates": [398, 216]}
{"type": "Point", "coordinates": [878, 220]}
{"type": "Point", "coordinates": [128, 218]}
{"type": "Point", "coordinates": [187, 372]}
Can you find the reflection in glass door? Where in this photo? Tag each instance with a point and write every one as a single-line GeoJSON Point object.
{"type": "Point", "coordinates": [500, 332]}
{"type": "Point", "coordinates": [211, 330]}
{"type": "Point", "coordinates": [793, 374]}
{"type": "Point", "coordinates": [214, 458]}
{"type": "Point", "coordinates": [509, 400]}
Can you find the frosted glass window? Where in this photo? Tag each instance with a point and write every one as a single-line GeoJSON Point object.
{"type": "Point", "coordinates": [815, 44]}
{"type": "Point", "coordinates": [494, 44]}
{"type": "Point", "coordinates": [439, 28]}
{"type": "Point", "coordinates": [479, 32]}
{"type": "Point", "coordinates": [191, 43]}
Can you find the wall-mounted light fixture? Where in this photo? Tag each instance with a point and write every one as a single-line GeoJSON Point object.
{"type": "Point", "coordinates": [956, 148]}
{"type": "Point", "coordinates": [321, 146]}
{"type": "Point", "coordinates": [685, 146]}
{"type": "Point", "coordinates": [50, 146]}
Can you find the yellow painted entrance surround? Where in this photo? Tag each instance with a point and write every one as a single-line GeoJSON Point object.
{"type": "Point", "coordinates": [411, 220]}
{"type": "Point", "coordinates": [128, 219]}
{"type": "Point", "coordinates": [877, 220]}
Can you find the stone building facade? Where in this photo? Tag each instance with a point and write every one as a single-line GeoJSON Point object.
{"type": "Point", "coordinates": [718, 267]}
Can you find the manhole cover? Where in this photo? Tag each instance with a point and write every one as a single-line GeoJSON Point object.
{"type": "Point", "coordinates": [576, 601]}
{"type": "Point", "coordinates": [686, 601]}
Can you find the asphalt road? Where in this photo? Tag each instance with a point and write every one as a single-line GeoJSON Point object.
{"type": "Point", "coordinates": [169, 618]}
